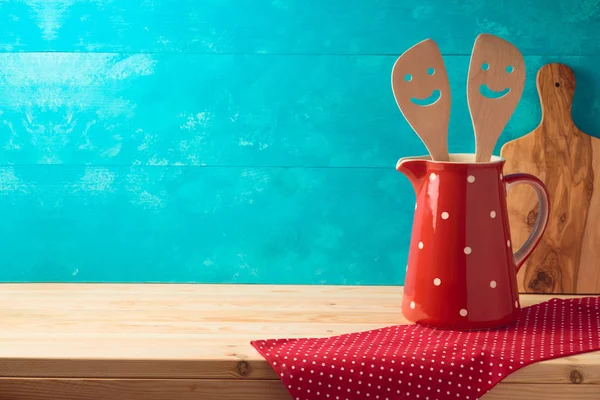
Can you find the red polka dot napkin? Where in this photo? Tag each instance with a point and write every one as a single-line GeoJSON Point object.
{"type": "Point", "coordinates": [417, 362]}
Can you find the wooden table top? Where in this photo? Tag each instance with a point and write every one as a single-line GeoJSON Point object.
{"type": "Point", "coordinates": [183, 331]}
{"type": "Point", "coordinates": [200, 331]}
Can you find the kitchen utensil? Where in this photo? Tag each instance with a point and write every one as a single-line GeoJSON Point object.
{"type": "Point", "coordinates": [461, 269]}
{"type": "Point", "coordinates": [568, 161]}
{"type": "Point", "coordinates": [494, 87]}
{"type": "Point", "coordinates": [422, 91]}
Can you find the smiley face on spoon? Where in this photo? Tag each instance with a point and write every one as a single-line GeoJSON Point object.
{"type": "Point", "coordinates": [422, 91]}
{"type": "Point", "coordinates": [494, 87]}
{"type": "Point", "coordinates": [485, 90]}
{"type": "Point", "coordinates": [496, 69]}
{"type": "Point", "coordinates": [428, 100]}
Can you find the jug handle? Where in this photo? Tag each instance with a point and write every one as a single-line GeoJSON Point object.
{"type": "Point", "coordinates": [542, 218]}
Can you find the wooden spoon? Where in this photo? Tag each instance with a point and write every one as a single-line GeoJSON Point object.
{"type": "Point", "coordinates": [422, 91]}
{"type": "Point", "coordinates": [494, 88]}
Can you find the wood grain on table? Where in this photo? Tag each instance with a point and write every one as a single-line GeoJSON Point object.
{"type": "Point", "coordinates": [155, 341]}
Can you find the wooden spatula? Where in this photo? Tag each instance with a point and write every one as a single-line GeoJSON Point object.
{"type": "Point", "coordinates": [422, 92]}
{"type": "Point", "coordinates": [494, 87]}
{"type": "Point", "coordinates": [567, 160]}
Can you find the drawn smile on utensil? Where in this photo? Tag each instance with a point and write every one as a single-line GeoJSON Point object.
{"type": "Point", "coordinates": [429, 100]}
{"type": "Point", "coordinates": [492, 94]}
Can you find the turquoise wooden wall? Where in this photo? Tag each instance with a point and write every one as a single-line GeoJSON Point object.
{"type": "Point", "coordinates": [238, 140]}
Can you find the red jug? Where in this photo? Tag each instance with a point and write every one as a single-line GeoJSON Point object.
{"type": "Point", "coordinates": [462, 273]}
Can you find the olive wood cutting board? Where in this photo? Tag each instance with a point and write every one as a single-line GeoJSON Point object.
{"type": "Point", "coordinates": [567, 160]}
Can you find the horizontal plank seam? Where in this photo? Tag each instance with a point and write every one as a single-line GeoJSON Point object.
{"type": "Point", "coordinates": [65, 378]}
{"type": "Point", "coordinates": [207, 53]}
{"type": "Point", "coordinates": [191, 166]}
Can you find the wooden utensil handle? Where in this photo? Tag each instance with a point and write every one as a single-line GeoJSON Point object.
{"type": "Point", "coordinates": [542, 217]}
{"type": "Point", "coordinates": [494, 86]}
{"type": "Point", "coordinates": [422, 91]}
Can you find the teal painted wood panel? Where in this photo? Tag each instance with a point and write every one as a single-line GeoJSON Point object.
{"type": "Point", "coordinates": [201, 224]}
{"type": "Point", "coordinates": [235, 110]}
{"type": "Point", "coordinates": [235, 140]}
{"type": "Point", "coordinates": [294, 27]}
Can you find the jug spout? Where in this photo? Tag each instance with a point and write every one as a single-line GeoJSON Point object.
{"type": "Point", "coordinates": [415, 170]}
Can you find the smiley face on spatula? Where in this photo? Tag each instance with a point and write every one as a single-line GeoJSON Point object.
{"type": "Point", "coordinates": [494, 88]}
{"type": "Point", "coordinates": [422, 92]}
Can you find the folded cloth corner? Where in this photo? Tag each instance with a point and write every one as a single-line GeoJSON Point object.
{"type": "Point", "coordinates": [419, 362]}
